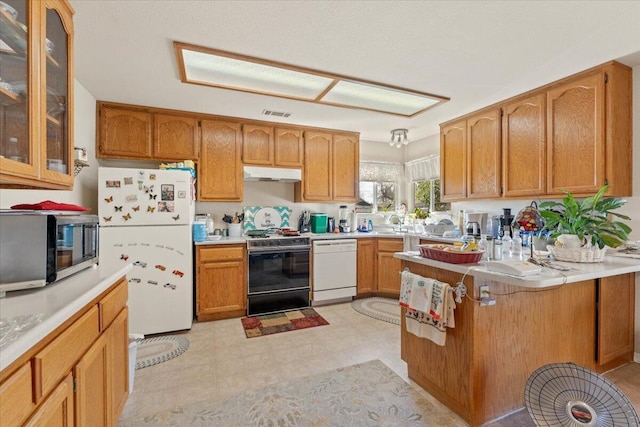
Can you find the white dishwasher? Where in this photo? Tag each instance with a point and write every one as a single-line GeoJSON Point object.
{"type": "Point", "coordinates": [334, 269]}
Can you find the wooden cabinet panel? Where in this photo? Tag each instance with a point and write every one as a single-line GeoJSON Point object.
{"type": "Point", "coordinates": [345, 168]}
{"type": "Point", "coordinates": [221, 253]}
{"type": "Point", "coordinates": [40, 118]}
{"type": "Point", "coordinates": [221, 288]}
{"type": "Point", "coordinates": [317, 168]}
{"type": "Point", "coordinates": [289, 147]}
{"type": "Point", "coordinates": [58, 409]}
{"type": "Point", "coordinates": [575, 136]}
{"type": "Point", "coordinates": [257, 145]}
{"type": "Point", "coordinates": [176, 137]}
{"type": "Point", "coordinates": [124, 132]}
{"type": "Point", "coordinates": [16, 398]}
{"type": "Point", "coordinates": [390, 245]}
{"type": "Point", "coordinates": [453, 159]}
{"type": "Point", "coordinates": [118, 352]}
{"type": "Point", "coordinates": [112, 304]}
{"type": "Point", "coordinates": [523, 147]}
{"type": "Point", "coordinates": [615, 317]}
{"type": "Point", "coordinates": [366, 269]}
{"type": "Point", "coordinates": [483, 155]}
{"type": "Point", "coordinates": [57, 358]}
{"type": "Point", "coordinates": [388, 273]}
{"type": "Point", "coordinates": [220, 168]}
{"type": "Point", "coordinates": [92, 386]}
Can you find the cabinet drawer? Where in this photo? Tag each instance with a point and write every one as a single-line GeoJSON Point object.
{"type": "Point", "coordinates": [389, 245]}
{"type": "Point", "coordinates": [113, 303]}
{"type": "Point", "coordinates": [55, 360]}
{"type": "Point", "coordinates": [221, 253]}
{"type": "Point", "coordinates": [16, 398]}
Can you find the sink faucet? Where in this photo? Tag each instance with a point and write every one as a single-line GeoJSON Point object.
{"type": "Point", "coordinates": [396, 217]}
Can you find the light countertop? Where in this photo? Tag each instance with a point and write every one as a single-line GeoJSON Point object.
{"type": "Point", "coordinates": [326, 236]}
{"type": "Point", "coordinates": [611, 266]}
{"type": "Point", "coordinates": [28, 316]}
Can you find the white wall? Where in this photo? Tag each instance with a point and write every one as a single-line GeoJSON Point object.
{"type": "Point", "coordinates": [84, 192]}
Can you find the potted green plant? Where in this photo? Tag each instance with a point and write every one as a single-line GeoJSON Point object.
{"type": "Point", "coordinates": [592, 220]}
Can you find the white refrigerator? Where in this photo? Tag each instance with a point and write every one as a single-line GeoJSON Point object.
{"type": "Point", "coordinates": [145, 219]}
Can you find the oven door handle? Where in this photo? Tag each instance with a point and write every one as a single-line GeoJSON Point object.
{"type": "Point", "coordinates": [280, 250]}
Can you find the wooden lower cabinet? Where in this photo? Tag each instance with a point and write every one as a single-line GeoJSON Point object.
{"type": "Point", "coordinates": [482, 370]}
{"type": "Point", "coordinates": [378, 270]}
{"type": "Point", "coordinates": [58, 409]}
{"type": "Point", "coordinates": [91, 353]}
{"type": "Point", "coordinates": [118, 363]}
{"type": "Point", "coordinates": [91, 397]}
{"type": "Point", "coordinates": [16, 397]}
{"type": "Point", "coordinates": [616, 296]}
{"type": "Point", "coordinates": [366, 270]}
{"type": "Point", "coordinates": [221, 289]}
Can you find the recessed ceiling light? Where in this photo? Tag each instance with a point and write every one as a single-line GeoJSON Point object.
{"type": "Point", "coordinates": [227, 70]}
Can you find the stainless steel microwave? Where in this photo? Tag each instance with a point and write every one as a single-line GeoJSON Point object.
{"type": "Point", "coordinates": [37, 248]}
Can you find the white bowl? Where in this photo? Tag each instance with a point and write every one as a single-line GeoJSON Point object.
{"type": "Point", "coordinates": [11, 11]}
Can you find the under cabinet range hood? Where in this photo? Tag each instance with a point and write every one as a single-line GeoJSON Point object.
{"type": "Point", "coordinates": [254, 173]}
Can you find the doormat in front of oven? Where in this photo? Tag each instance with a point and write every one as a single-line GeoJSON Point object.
{"type": "Point", "coordinates": [267, 324]}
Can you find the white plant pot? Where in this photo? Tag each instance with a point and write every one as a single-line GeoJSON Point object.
{"type": "Point", "coordinates": [569, 241]}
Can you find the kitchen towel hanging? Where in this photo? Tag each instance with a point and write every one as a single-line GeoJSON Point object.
{"type": "Point", "coordinates": [430, 307]}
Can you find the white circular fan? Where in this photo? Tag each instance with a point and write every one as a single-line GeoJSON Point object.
{"type": "Point", "coordinates": [564, 394]}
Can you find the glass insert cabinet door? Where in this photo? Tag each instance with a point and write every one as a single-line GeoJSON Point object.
{"type": "Point", "coordinates": [57, 97]}
{"type": "Point", "coordinates": [36, 91]}
{"type": "Point", "coordinates": [16, 81]}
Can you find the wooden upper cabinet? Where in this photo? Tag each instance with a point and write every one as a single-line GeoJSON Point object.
{"type": "Point", "coordinates": [36, 108]}
{"type": "Point", "coordinates": [220, 168]}
{"type": "Point", "coordinates": [317, 166]}
{"type": "Point", "coordinates": [124, 132]}
{"type": "Point", "coordinates": [257, 145]}
{"type": "Point", "coordinates": [523, 147]}
{"type": "Point", "coordinates": [345, 168]}
{"type": "Point", "coordinates": [176, 137]}
{"type": "Point", "coordinates": [453, 159]}
{"type": "Point", "coordinates": [288, 147]}
{"type": "Point", "coordinates": [575, 136]}
{"type": "Point", "coordinates": [483, 155]}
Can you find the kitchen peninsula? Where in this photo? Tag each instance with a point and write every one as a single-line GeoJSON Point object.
{"type": "Point", "coordinates": [584, 315]}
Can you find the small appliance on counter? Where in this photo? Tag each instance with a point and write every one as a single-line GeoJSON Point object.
{"type": "Point", "coordinates": [318, 222]}
{"type": "Point", "coordinates": [331, 224]}
{"type": "Point", "coordinates": [476, 223]}
{"type": "Point", "coordinates": [304, 223]}
{"type": "Point", "coordinates": [343, 216]}
{"type": "Point", "coordinates": [41, 247]}
{"type": "Point", "coordinates": [505, 223]}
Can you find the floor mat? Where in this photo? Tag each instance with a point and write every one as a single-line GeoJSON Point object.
{"type": "Point", "coordinates": [366, 394]}
{"type": "Point", "coordinates": [267, 324]}
{"type": "Point", "coordinates": [386, 309]}
{"type": "Point", "coordinates": [152, 351]}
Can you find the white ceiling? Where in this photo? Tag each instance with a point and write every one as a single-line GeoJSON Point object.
{"type": "Point", "coordinates": [475, 52]}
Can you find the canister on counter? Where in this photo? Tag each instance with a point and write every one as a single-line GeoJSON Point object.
{"type": "Point", "coordinates": [497, 250]}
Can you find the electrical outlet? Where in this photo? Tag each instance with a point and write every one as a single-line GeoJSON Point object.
{"type": "Point", "coordinates": [485, 296]}
{"type": "Point", "coordinates": [484, 292]}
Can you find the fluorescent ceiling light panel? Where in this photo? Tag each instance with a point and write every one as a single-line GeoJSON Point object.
{"type": "Point", "coordinates": [377, 98]}
{"type": "Point", "coordinates": [243, 75]}
{"type": "Point", "coordinates": [227, 70]}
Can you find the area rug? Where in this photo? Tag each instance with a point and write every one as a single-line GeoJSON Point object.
{"type": "Point", "coordinates": [386, 309]}
{"type": "Point", "coordinates": [152, 351]}
{"type": "Point", "coordinates": [366, 394]}
{"type": "Point", "coordinates": [267, 324]}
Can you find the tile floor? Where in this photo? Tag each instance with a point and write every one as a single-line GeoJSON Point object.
{"type": "Point", "coordinates": [221, 362]}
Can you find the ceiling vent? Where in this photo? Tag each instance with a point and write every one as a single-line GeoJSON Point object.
{"type": "Point", "coordinates": [275, 113]}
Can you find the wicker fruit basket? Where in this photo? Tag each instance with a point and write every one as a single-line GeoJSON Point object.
{"type": "Point", "coordinates": [449, 253]}
{"type": "Point", "coordinates": [590, 254]}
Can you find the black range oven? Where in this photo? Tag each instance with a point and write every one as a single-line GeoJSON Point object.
{"type": "Point", "coordinates": [278, 272]}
